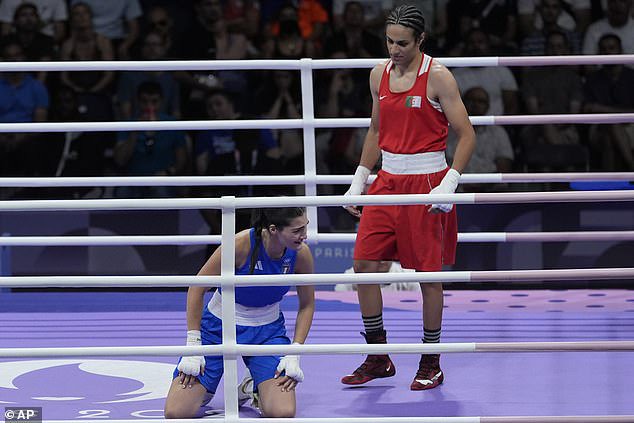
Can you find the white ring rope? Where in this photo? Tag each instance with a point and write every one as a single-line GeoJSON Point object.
{"type": "Point", "coordinates": [323, 200]}
{"type": "Point", "coordinates": [206, 65]}
{"type": "Point", "coordinates": [316, 279]}
{"type": "Point", "coordinates": [228, 280]}
{"type": "Point", "coordinates": [111, 240]}
{"type": "Point", "coordinates": [320, 349]}
{"type": "Point", "coordinates": [242, 180]}
{"type": "Point", "coordinates": [199, 125]}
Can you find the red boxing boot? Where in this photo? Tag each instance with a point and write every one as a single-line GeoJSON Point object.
{"type": "Point", "coordinates": [429, 374]}
{"type": "Point", "coordinates": [374, 366]}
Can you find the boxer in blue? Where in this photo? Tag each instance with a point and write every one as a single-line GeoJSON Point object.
{"type": "Point", "coordinates": [274, 245]}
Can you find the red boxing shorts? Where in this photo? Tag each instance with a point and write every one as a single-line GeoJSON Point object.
{"type": "Point", "coordinates": [420, 240]}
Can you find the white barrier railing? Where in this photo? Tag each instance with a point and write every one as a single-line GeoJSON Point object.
{"type": "Point", "coordinates": [322, 200]}
{"type": "Point", "coordinates": [316, 279]}
{"type": "Point", "coordinates": [206, 65]}
{"type": "Point", "coordinates": [228, 280]}
{"type": "Point", "coordinates": [243, 180]}
{"type": "Point", "coordinates": [319, 349]}
{"type": "Point", "coordinates": [306, 123]}
{"type": "Point", "coordinates": [111, 240]}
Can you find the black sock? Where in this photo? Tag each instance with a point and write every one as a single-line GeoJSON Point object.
{"type": "Point", "coordinates": [373, 324]}
{"type": "Point", "coordinates": [431, 336]}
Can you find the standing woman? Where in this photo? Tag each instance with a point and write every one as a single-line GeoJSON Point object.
{"type": "Point", "coordinates": [274, 245]}
{"type": "Point", "coordinates": [415, 98]}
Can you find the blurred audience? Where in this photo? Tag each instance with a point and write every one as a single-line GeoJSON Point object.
{"type": "Point", "coordinates": [117, 20]}
{"type": "Point", "coordinates": [553, 90]}
{"type": "Point", "coordinates": [150, 153]}
{"type": "Point", "coordinates": [53, 15]}
{"type": "Point", "coordinates": [22, 99]}
{"type": "Point", "coordinates": [611, 90]}
{"type": "Point", "coordinates": [618, 21]}
{"type": "Point", "coordinates": [36, 46]}
{"type": "Point", "coordinates": [493, 152]}
{"type": "Point", "coordinates": [153, 48]}
{"type": "Point", "coordinates": [498, 81]}
{"type": "Point", "coordinates": [93, 30]}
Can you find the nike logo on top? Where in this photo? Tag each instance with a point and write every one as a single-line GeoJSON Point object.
{"type": "Point", "coordinates": [382, 97]}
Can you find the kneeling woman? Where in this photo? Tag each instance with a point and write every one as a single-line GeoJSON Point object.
{"type": "Point", "coordinates": [274, 245]}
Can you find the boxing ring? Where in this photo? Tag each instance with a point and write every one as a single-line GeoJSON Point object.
{"type": "Point", "coordinates": [523, 363]}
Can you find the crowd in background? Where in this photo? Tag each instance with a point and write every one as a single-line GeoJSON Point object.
{"type": "Point", "coordinates": [42, 30]}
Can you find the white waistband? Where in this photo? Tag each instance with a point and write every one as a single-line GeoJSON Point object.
{"type": "Point", "coordinates": [411, 164]}
{"type": "Point", "coordinates": [246, 316]}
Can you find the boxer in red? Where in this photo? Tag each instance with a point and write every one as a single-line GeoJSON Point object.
{"type": "Point", "coordinates": [415, 99]}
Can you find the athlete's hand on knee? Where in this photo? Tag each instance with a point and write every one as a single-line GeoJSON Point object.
{"type": "Point", "coordinates": [293, 374]}
{"type": "Point", "coordinates": [358, 187]}
{"type": "Point", "coordinates": [191, 366]}
{"type": "Point", "coordinates": [448, 185]}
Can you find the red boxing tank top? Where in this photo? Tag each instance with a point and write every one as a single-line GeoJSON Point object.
{"type": "Point", "coordinates": [408, 122]}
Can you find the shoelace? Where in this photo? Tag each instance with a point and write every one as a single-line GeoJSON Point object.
{"type": "Point", "coordinates": [362, 368]}
{"type": "Point", "coordinates": [426, 370]}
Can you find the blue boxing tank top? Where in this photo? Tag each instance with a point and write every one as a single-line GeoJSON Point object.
{"type": "Point", "coordinates": [260, 296]}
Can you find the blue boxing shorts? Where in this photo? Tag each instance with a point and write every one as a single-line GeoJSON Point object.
{"type": "Point", "coordinates": [261, 367]}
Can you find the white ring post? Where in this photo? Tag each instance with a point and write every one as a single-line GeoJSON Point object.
{"type": "Point", "coordinates": [227, 271]}
{"type": "Point", "coordinates": [310, 162]}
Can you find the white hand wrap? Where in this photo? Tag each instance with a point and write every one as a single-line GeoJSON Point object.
{"type": "Point", "coordinates": [289, 364]}
{"type": "Point", "coordinates": [191, 365]}
{"type": "Point", "coordinates": [448, 185]}
{"type": "Point", "coordinates": [358, 181]}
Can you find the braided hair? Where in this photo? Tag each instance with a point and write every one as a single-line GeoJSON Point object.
{"type": "Point", "coordinates": [409, 17]}
{"type": "Point", "coordinates": [263, 218]}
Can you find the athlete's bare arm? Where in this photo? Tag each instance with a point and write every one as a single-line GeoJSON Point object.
{"type": "Point", "coordinates": [371, 152]}
{"type": "Point", "coordinates": [443, 88]}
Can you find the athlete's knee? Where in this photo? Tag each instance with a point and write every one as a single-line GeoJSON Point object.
{"type": "Point", "coordinates": [369, 266]}
{"type": "Point", "coordinates": [174, 411]}
{"type": "Point", "coordinates": [279, 410]}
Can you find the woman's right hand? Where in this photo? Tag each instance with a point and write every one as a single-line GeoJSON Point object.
{"type": "Point", "coordinates": [191, 366]}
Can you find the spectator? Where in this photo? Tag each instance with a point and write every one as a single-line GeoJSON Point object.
{"type": "Point", "coordinates": [243, 16]}
{"type": "Point", "coordinates": [618, 21]}
{"type": "Point", "coordinates": [92, 87]}
{"type": "Point", "coordinates": [53, 15]}
{"type": "Point", "coordinates": [22, 99]}
{"type": "Point", "coordinates": [498, 81]}
{"type": "Point", "coordinates": [498, 19]}
{"type": "Point", "coordinates": [310, 16]}
{"type": "Point", "coordinates": [160, 21]}
{"type": "Point", "coordinates": [153, 48]}
{"type": "Point", "coordinates": [549, 11]}
{"type": "Point", "coordinates": [80, 153]}
{"type": "Point", "coordinates": [150, 153]}
{"type": "Point", "coordinates": [221, 152]}
{"type": "Point", "coordinates": [35, 45]}
{"type": "Point", "coordinates": [281, 100]}
{"type": "Point", "coordinates": [284, 38]}
{"type": "Point", "coordinates": [611, 90]}
{"type": "Point", "coordinates": [493, 152]}
{"type": "Point", "coordinates": [208, 39]}
{"type": "Point", "coordinates": [353, 38]}
{"type": "Point", "coordinates": [553, 90]}
{"type": "Point", "coordinates": [117, 20]}
{"type": "Point", "coordinates": [575, 16]}
{"type": "Point", "coordinates": [375, 12]}
{"type": "Point", "coordinates": [338, 149]}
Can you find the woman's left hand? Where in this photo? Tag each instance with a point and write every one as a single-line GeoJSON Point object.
{"type": "Point", "coordinates": [293, 374]}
